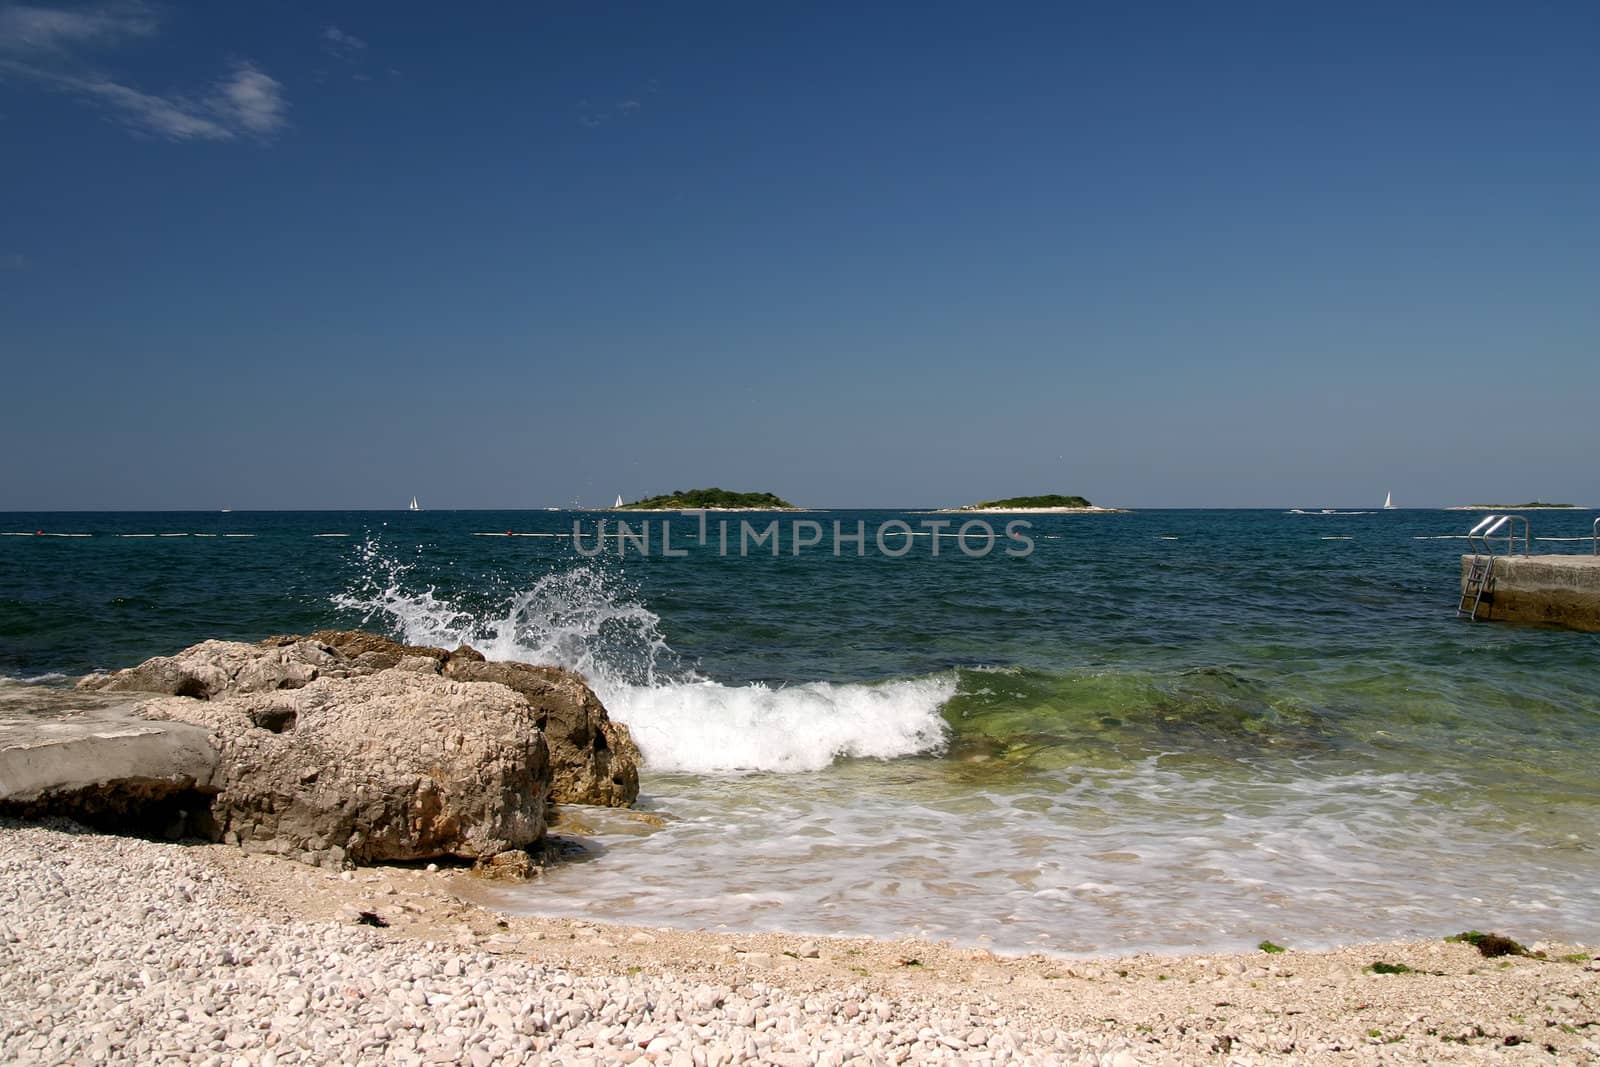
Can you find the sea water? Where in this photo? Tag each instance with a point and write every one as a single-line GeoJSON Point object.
{"type": "Point", "coordinates": [1166, 730]}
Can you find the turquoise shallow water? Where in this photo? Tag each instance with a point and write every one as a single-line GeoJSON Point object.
{"type": "Point", "coordinates": [1168, 729]}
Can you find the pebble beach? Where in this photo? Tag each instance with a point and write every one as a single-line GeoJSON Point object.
{"type": "Point", "coordinates": [120, 950]}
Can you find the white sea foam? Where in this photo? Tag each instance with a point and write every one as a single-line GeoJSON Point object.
{"type": "Point", "coordinates": [586, 620]}
{"type": "Point", "coordinates": [1125, 859]}
{"type": "Point", "coordinates": [707, 727]}
{"type": "Point", "coordinates": [35, 679]}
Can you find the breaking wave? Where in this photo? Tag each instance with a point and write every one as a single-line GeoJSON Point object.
{"type": "Point", "coordinates": [588, 620]}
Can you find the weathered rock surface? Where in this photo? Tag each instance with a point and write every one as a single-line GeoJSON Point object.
{"type": "Point", "coordinates": [105, 766]}
{"type": "Point", "coordinates": [593, 760]}
{"type": "Point", "coordinates": [395, 765]}
{"type": "Point", "coordinates": [370, 652]}
{"type": "Point", "coordinates": [215, 667]}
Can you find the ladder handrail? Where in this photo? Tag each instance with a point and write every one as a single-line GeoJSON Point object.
{"type": "Point", "coordinates": [1473, 535]}
{"type": "Point", "coordinates": [1487, 532]}
{"type": "Point", "coordinates": [1527, 536]}
{"type": "Point", "coordinates": [1479, 528]}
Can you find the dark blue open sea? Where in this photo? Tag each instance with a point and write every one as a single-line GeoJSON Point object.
{"type": "Point", "coordinates": [1160, 730]}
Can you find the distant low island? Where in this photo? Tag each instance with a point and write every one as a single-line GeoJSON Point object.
{"type": "Point", "coordinates": [1535, 505]}
{"type": "Point", "coordinates": [1054, 502]}
{"type": "Point", "coordinates": [711, 500]}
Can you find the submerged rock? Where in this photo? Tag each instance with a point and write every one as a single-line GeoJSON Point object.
{"type": "Point", "coordinates": [395, 765]}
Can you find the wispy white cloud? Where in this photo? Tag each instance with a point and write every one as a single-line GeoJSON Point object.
{"type": "Point", "coordinates": [245, 102]}
{"type": "Point", "coordinates": [350, 53]}
{"type": "Point", "coordinates": [342, 44]}
{"type": "Point", "coordinates": [26, 28]}
{"type": "Point", "coordinates": [174, 119]}
{"type": "Point", "coordinates": [594, 113]}
{"type": "Point", "coordinates": [251, 100]}
{"type": "Point", "coordinates": [46, 46]}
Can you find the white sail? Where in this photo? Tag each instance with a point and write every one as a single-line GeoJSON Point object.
{"type": "Point", "coordinates": [1388, 501]}
{"type": "Point", "coordinates": [618, 504]}
{"type": "Point", "coordinates": [414, 505]}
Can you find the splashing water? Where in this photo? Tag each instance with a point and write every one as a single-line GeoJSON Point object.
{"type": "Point", "coordinates": [580, 619]}
{"type": "Point", "coordinates": [588, 620]}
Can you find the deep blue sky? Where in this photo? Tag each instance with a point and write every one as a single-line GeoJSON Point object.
{"type": "Point", "coordinates": [331, 255]}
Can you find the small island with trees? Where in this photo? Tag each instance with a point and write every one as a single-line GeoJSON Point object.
{"type": "Point", "coordinates": [710, 500]}
{"type": "Point", "coordinates": [1048, 502]}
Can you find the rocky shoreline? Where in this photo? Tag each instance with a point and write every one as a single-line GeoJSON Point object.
{"type": "Point", "coordinates": [340, 748]}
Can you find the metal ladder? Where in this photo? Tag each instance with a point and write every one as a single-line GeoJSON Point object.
{"type": "Point", "coordinates": [1479, 577]}
{"type": "Point", "coordinates": [1479, 582]}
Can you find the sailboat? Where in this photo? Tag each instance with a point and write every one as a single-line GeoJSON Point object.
{"type": "Point", "coordinates": [1388, 502]}
{"type": "Point", "coordinates": [618, 504]}
{"type": "Point", "coordinates": [413, 506]}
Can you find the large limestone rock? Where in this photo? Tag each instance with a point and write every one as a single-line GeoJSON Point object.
{"type": "Point", "coordinates": [396, 765]}
{"type": "Point", "coordinates": [593, 760]}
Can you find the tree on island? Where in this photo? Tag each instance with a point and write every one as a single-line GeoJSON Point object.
{"type": "Point", "coordinates": [1049, 500]}
{"type": "Point", "coordinates": [680, 499]}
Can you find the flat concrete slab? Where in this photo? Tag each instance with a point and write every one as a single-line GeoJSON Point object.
{"type": "Point", "coordinates": [1583, 568]}
{"type": "Point", "coordinates": [1554, 590]}
{"type": "Point", "coordinates": [58, 743]}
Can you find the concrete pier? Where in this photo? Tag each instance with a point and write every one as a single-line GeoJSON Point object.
{"type": "Point", "coordinates": [1556, 590]}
